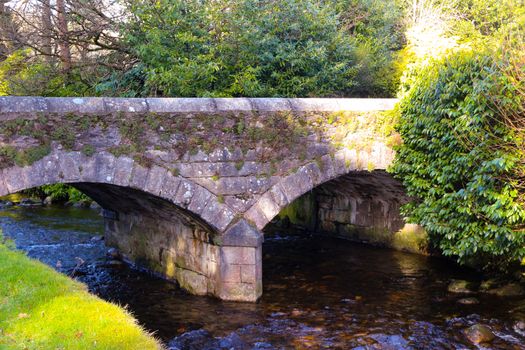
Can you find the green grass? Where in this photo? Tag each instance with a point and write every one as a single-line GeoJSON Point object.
{"type": "Point", "coordinates": [42, 309]}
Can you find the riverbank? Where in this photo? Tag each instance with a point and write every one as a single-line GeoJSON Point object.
{"type": "Point", "coordinates": [42, 309]}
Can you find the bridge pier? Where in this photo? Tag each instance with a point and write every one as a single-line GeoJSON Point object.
{"type": "Point", "coordinates": [227, 266]}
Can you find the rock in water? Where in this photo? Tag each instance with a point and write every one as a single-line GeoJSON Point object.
{"type": "Point", "coordinates": [232, 341]}
{"type": "Point", "coordinates": [479, 333]}
{"type": "Point", "coordinates": [113, 253]}
{"type": "Point", "coordinates": [194, 340]}
{"type": "Point", "coordinates": [468, 301]}
{"type": "Point", "coordinates": [203, 340]}
{"type": "Point", "coordinates": [6, 204]}
{"type": "Point", "coordinates": [391, 342]}
{"type": "Point", "coordinates": [508, 290]}
{"type": "Point", "coordinates": [28, 202]}
{"type": "Point", "coordinates": [519, 327]}
{"type": "Point", "coordinates": [461, 286]}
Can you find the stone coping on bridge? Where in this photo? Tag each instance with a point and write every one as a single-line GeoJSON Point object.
{"type": "Point", "coordinates": [16, 105]}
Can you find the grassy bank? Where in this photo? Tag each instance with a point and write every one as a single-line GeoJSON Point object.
{"type": "Point", "coordinates": [42, 309]}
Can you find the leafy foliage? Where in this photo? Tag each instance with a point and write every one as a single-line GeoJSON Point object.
{"type": "Point", "coordinates": [263, 48]}
{"type": "Point", "coordinates": [462, 159]}
{"type": "Point", "coordinates": [58, 192]}
{"type": "Point", "coordinates": [22, 73]}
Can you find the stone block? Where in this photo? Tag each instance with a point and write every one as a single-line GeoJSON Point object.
{"type": "Point", "coordinates": [233, 104]}
{"type": "Point", "coordinates": [237, 185]}
{"type": "Point", "coordinates": [88, 169]}
{"type": "Point", "coordinates": [15, 179]}
{"type": "Point", "coordinates": [362, 160]}
{"type": "Point", "coordinates": [327, 168]}
{"type": "Point", "coordinates": [350, 159]}
{"type": "Point", "coordinates": [22, 104]}
{"type": "Point", "coordinates": [241, 234]}
{"type": "Point", "coordinates": [339, 162]}
{"type": "Point", "coordinates": [37, 174]}
{"type": "Point", "coordinates": [200, 156]}
{"type": "Point", "coordinates": [221, 155]}
{"type": "Point", "coordinates": [315, 173]}
{"type": "Point", "coordinates": [104, 167]}
{"type": "Point", "coordinates": [185, 193]}
{"type": "Point", "coordinates": [155, 180]}
{"type": "Point", "coordinates": [123, 171]}
{"type": "Point", "coordinates": [239, 203]}
{"type": "Point", "coordinates": [238, 256]}
{"type": "Point", "coordinates": [249, 274]}
{"type": "Point", "coordinates": [256, 216]}
{"type": "Point", "coordinates": [271, 104]}
{"type": "Point", "coordinates": [315, 104]}
{"type": "Point", "coordinates": [125, 105]}
{"type": "Point", "coordinates": [278, 195]}
{"type": "Point", "coordinates": [268, 206]}
{"type": "Point", "coordinates": [193, 282]}
{"type": "Point", "coordinates": [201, 197]}
{"type": "Point", "coordinates": [199, 169]}
{"type": "Point", "coordinates": [231, 273]}
{"type": "Point", "coordinates": [80, 105]}
{"type": "Point", "coordinates": [317, 150]}
{"type": "Point", "coordinates": [68, 166]}
{"type": "Point", "coordinates": [181, 105]}
{"type": "Point", "coordinates": [296, 184]}
{"type": "Point", "coordinates": [366, 104]}
{"type": "Point", "coordinates": [138, 178]}
{"type": "Point", "coordinates": [217, 215]}
{"type": "Point", "coordinates": [170, 187]}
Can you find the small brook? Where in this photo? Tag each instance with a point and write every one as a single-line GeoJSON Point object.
{"type": "Point", "coordinates": [318, 292]}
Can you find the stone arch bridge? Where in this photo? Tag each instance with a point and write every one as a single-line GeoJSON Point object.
{"type": "Point", "coordinates": [189, 184]}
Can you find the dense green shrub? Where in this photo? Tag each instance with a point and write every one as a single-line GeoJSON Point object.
{"type": "Point", "coordinates": [58, 192]}
{"type": "Point", "coordinates": [261, 48]}
{"type": "Point", "coordinates": [22, 73]}
{"type": "Point", "coordinates": [462, 157]}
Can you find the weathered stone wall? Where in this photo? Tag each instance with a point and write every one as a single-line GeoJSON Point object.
{"type": "Point", "coordinates": [252, 156]}
{"type": "Point", "coordinates": [362, 207]}
{"type": "Point", "coordinates": [225, 167]}
{"type": "Point", "coordinates": [185, 253]}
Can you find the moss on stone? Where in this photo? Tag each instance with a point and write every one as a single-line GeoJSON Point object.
{"type": "Point", "coordinates": [274, 136]}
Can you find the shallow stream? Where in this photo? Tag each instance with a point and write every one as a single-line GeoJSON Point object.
{"type": "Point", "coordinates": [318, 292]}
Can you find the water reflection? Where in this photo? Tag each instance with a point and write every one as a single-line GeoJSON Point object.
{"type": "Point", "coordinates": [318, 292]}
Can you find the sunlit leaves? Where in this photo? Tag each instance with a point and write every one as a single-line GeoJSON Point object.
{"type": "Point", "coordinates": [460, 160]}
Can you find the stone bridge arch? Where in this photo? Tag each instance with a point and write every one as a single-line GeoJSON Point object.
{"type": "Point", "coordinates": [198, 230]}
{"type": "Point", "coordinates": [218, 170]}
{"type": "Point", "coordinates": [312, 175]}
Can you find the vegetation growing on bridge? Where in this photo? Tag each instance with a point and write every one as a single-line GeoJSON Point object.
{"type": "Point", "coordinates": [272, 136]}
{"type": "Point", "coordinates": [42, 309]}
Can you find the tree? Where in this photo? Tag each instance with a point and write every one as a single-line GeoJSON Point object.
{"type": "Point", "coordinates": [74, 41]}
{"type": "Point", "coordinates": [261, 48]}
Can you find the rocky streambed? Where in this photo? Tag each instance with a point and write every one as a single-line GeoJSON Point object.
{"type": "Point", "coordinates": [318, 293]}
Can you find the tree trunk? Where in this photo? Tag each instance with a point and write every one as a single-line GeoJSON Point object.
{"type": "Point", "coordinates": [63, 42]}
{"type": "Point", "coordinates": [5, 29]}
{"type": "Point", "coordinates": [47, 30]}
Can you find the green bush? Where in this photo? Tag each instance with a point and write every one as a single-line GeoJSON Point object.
{"type": "Point", "coordinates": [462, 157]}
{"type": "Point", "coordinates": [256, 48]}
{"type": "Point", "coordinates": [58, 192]}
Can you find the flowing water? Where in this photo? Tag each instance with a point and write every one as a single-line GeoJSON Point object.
{"type": "Point", "coordinates": [319, 292]}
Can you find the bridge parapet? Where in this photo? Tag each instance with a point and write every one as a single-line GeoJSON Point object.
{"type": "Point", "coordinates": [224, 167]}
